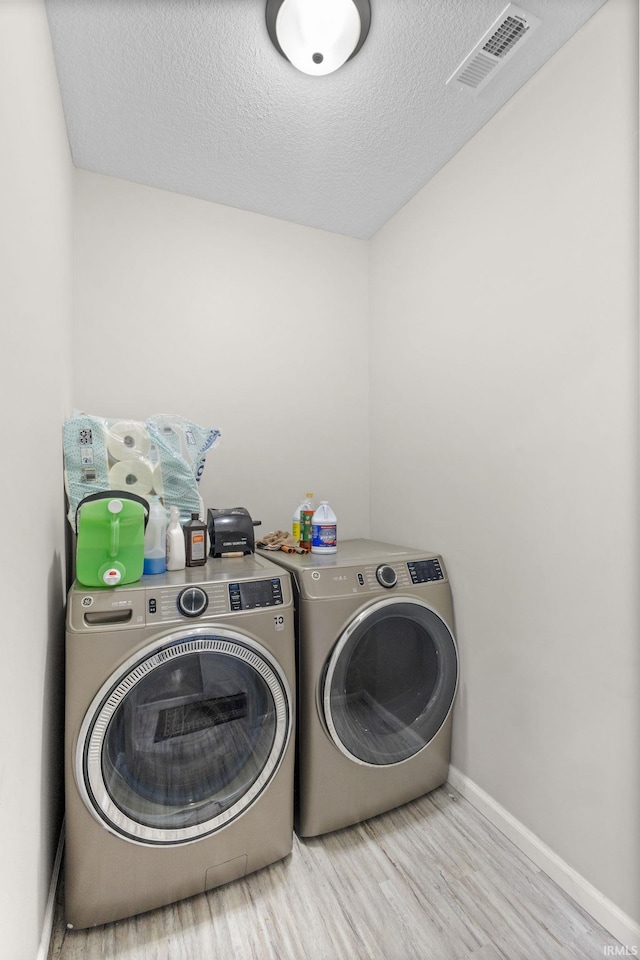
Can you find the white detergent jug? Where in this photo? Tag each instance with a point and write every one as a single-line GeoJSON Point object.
{"type": "Point", "coordinates": [324, 530]}
{"type": "Point", "coordinates": [155, 538]}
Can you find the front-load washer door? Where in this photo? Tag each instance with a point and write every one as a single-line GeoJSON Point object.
{"type": "Point", "coordinates": [390, 682]}
{"type": "Point", "coordinates": [184, 737]}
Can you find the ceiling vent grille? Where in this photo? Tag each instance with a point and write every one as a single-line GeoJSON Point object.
{"type": "Point", "coordinates": [507, 33]}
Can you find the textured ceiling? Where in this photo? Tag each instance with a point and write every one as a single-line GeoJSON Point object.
{"type": "Point", "coordinates": [191, 96]}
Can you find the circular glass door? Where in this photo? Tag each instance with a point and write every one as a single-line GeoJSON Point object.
{"type": "Point", "coordinates": [390, 682]}
{"type": "Point", "coordinates": [184, 738]}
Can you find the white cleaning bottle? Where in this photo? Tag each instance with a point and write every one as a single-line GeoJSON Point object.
{"type": "Point", "coordinates": [155, 538]}
{"type": "Point", "coordinates": [324, 530]}
{"type": "Point", "coordinates": [176, 555]}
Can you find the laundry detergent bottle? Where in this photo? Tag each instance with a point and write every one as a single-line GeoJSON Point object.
{"type": "Point", "coordinates": [155, 538]}
{"type": "Point", "coordinates": [295, 526]}
{"type": "Point", "coordinates": [110, 529]}
{"type": "Point", "coordinates": [306, 517]}
{"type": "Point", "coordinates": [176, 556]}
{"type": "Point", "coordinates": [324, 530]}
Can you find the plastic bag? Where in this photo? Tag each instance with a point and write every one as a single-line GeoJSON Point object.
{"type": "Point", "coordinates": [164, 455]}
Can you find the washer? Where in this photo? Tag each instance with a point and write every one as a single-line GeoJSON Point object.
{"type": "Point", "coordinates": [377, 678]}
{"type": "Point", "coordinates": [179, 754]}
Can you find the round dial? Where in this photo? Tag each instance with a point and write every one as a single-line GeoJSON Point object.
{"type": "Point", "coordinates": [192, 602]}
{"type": "Point", "coordinates": [386, 575]}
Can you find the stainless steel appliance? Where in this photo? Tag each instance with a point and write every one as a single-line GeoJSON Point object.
{"type": "Point", "coordinates": [377, 678]}
{"type": "Point", "coordinates": [179, 735]}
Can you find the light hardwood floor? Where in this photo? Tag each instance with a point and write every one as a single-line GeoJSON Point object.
{"type": "Point", "coordinates": [432, 880]}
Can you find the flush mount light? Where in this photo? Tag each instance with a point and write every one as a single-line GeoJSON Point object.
{"type": "Point", "coordinates": [318, 36]}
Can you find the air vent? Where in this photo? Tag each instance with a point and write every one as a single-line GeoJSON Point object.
{"type": "Point", "coordinates": [503, 37]}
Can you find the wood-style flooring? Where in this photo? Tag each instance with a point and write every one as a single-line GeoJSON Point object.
{"type": "Point", "coordinates": [432, 880]}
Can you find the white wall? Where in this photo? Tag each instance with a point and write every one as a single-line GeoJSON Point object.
{"type": "Point", "coordinates": [504, 422]}
{"type": "Point", "coordinates": [35, 294]}
{"type": "Point", "coordinates": [236, 321]}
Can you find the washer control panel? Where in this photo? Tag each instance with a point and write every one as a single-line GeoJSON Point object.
{"type": "Point", "coordinates": [253, 594]}
{"type": "Point", "coordinates": [170, 603]}
{"type": "Point", "coordinates": [233, 587]}
{"type": "Point", "coordinates": [213, 599]}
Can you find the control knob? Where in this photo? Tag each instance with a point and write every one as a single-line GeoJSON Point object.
{"type": "Point", "coordinates": [386, 575]}
{"type": "Point", "coordinates": [193, 602]}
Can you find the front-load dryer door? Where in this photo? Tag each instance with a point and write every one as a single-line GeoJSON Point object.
{"type": "Point", "coordinates": [390, 682]}
{"type": "Point", "coordinates": [184, 737]}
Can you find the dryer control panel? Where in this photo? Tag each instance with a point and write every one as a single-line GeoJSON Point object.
{"type": "Point", "coordinates": [393, 575]}
{"type": "Point", "coordinates": [424, 571]}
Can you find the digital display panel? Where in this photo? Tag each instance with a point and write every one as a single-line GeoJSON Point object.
{"type": "Point", "coordinates": [423, 571]}
{"type": "Point", "coordinates": [251, 594]}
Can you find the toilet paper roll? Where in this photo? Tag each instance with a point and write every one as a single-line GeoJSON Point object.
{"type": "Point", "coordinates": [134, 476]}
{"type": "Point", "coordinates": [158, 486]}
{"type": "Point", "coordinates": [127, 440]}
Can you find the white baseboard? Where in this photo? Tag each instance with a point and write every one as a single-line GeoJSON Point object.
{"type": "Point", "coordinates": [47, 925]}
{"type": "Point", "coordinates": [607, 914]}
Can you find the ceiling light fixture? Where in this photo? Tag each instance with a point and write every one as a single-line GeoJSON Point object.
{"type": "Point", "coordinates": [318, 36]}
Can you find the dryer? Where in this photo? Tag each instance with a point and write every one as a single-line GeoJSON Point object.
{"type": "Point", "coordinates": [179, 753]}
{"type": "Point", "coordinates": [377, 678]}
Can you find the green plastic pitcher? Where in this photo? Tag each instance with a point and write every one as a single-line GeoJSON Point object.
{"type": "Point", "coordinates": [110, 549]}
